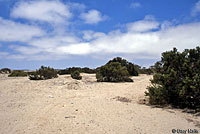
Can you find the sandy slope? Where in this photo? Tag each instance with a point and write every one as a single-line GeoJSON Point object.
{"type": "Point", "coordinates": [64, 105]}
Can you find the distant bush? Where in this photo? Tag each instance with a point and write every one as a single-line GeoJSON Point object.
{"type": "Point", "coordinates": [73, 69]}
{"type": "Point", "coordinates": [63, 72]}
{"type": "Point", "coordinates": [76, 75]}
{"type": "Point", "coordinates": [43, 73]}
{"type": "Point", "coordinates": [17, 73]}
{"type": "Point", "coordinates": [147, 71]}
{"type": "Point", "coordinates": [5, 70]}
{"type": "Point", "coordinates": [88, 70]}
{"type": "Point", "coordinates": [31, 73]}
{"type": "Point", "coordinates": [69, 70]}
{"type": "Point", "coordinates": [113, 72]}
{"type": "Point", "coordinates": [177, 79]}
{"type": "Point", "coordinates": [131, 68]}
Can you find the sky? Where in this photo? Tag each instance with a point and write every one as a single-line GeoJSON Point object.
{"type": "Point", "coordinates": [88, 33]}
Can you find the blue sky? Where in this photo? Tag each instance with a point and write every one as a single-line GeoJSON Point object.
{"type": "Point", "coordinates": [65, 33]}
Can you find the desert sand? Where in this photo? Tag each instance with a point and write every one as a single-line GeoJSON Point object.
{"type": "Point", "coordinates": [67, 106]}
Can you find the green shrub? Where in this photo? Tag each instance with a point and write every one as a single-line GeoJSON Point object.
{"type": "Point", "coordinates": [131, 68]}
{"type": "Point", "coordinates": [72, 69]}
{"type": "Point", "coordinates": [17, 73]}
{"type": "Point", "coordinates": [5, 70]}
{"type": "Point", "coordinates": [76, 75]}
{"type": "Point", "coordinates": [177, 79]}
{"type": "Point", "coordinates": [113, 72]}
{"type": "Point", "coordinates": [43, 73]}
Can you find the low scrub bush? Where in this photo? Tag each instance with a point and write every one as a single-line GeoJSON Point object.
{"type": "Point", "coordinates": [177, 79]}
{"type": "Point", "coordinates": [43, 73]}
{"type": "Point", "coordinates": [18, 73]}
{"type": "Point", "coordinates": [76, 75]}
{"type": "Point", "coordinates": [5, 70]}
{"type": "Point", "coordinates": [113, 72]}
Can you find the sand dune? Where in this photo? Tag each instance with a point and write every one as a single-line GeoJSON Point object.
{"type": "Point", "coordinates": [67, 106]}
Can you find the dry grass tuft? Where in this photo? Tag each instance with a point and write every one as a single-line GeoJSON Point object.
{"type": "Point", "coordinates": [122, 99]}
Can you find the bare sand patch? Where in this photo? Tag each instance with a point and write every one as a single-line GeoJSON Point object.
{"type": "Point", "coordinates": [64, 105]}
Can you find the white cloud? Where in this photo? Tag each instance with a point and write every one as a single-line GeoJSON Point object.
{"type": "Point", "coordinates": [125, 43]}
{"type": "Point", "coordinates": [135, 5]}
{"type": "Point", "coordinates": [196, 9]}
{"type": "Point", "coordinates": [141, 45]}
{"type": "Point", "coordinates": [154, 43]}
{"type": "Point", "coordinates": [76, 6]}
{"type": "Point", "coordinates": [54, 41]}
{"type": "Point", "coordinates": [12, 31]}
{"type": "Point", "coordinates": [28, 50]}
{"type": "Point", "coordinates": [181, 36]}
{"type": "Point", "coordinates": [91, 35]}
{"type": "Point", "coordinates": [141, 39]}
{"type": "Point", "coordinates": [48, 11]}
{"type": "Point", "coordinates": [92, 17]}
{"type": "Point", "coordinates": [142, 26]}
{"type": "Point", "coordinates": [166, 24]}
{"type": "Point", "coordinates": [58, 46]}
{"type": "Point", "coordinates": [75, 49]}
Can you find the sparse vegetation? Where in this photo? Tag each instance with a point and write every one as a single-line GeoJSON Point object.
{"type": "Point", "coordinates": [113, 72]}
{"type": "Point", "coordinates": [76, 75]}
{"type": "Point", "coordinates": [18, 73]}
{"type": "Point", "coordinates": [43, 73]}
{"type": "Point", "coordinates": [177, 79]}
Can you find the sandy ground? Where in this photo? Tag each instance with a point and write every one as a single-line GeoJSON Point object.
{"type": "Point", "coordinates": [67, 106]}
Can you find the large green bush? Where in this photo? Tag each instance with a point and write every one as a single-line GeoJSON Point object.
{"type": "Point", "coordinates": [76, 75]}
{"type": "Point", "coordinates": [18, 73]}
{"type": "Point", "coordinates": [177, 79]}
{"type": "Point", "coordinates": [43, 73]}
{"type": "Point", "coordinates": [131, 68]}
{"type": "Point", "coordinates": [113, 72]}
